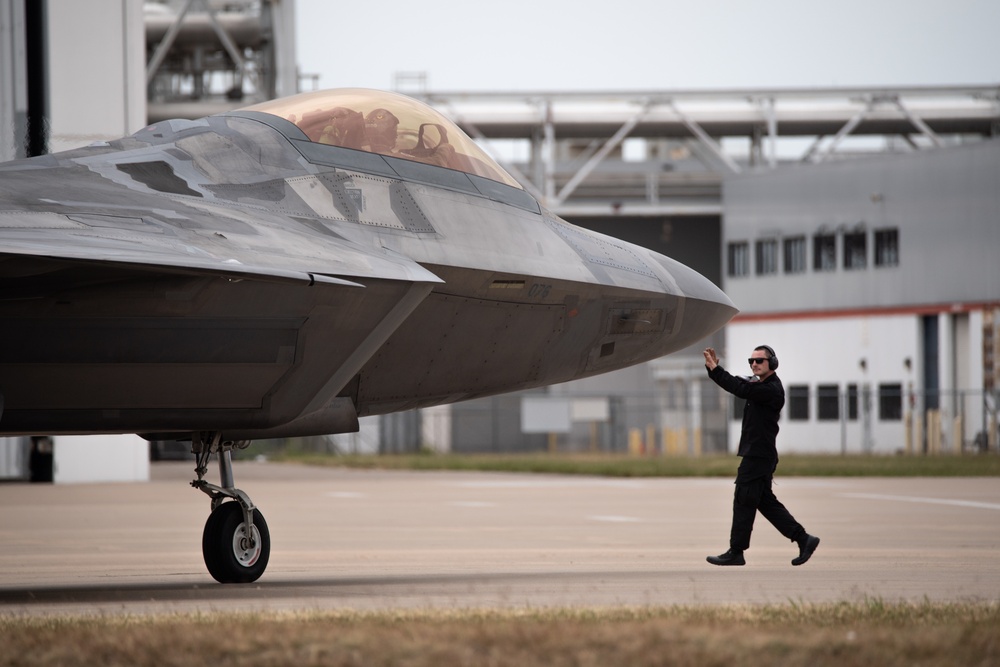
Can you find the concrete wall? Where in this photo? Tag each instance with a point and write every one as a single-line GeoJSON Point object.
{"type": "Point", "coordinates": [90, 458]}
{"type": "Point", "coordinates": [97, 76]}
{"type": "Point", "coordinates": [100, 458]}
{"type": "Point", "coordinates": [95, 66]}
{"type": "Point", "coordinates": [13, 91]}
{"type": "Point", "coordinates": [14, 452]}
{"type": "Point", "coordinates": [944, 202]}
{"type": "Point", "coordinates": [829, 352]}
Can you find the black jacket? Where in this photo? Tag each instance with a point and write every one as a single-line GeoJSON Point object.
{"type": "Point", "coordinates": [764, 401]}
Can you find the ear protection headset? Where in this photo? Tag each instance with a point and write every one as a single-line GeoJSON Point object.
{"type": "Point", "coordinates": [772, 359]}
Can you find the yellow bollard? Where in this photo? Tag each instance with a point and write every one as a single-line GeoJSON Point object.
{"type": "Point", "coordinates": [918, 434]}
{"type": "Point", "coordinates": [634, 441]}
{"type": "Point", "coordinates": [934, 432]}
{"type": "Point", "coordinates": [671, 442]}
{"type": "Point", "coordinates": [908, 431]}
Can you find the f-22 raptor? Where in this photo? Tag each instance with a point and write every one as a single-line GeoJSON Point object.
{"type": "Point", "coordinates": [283, 269]}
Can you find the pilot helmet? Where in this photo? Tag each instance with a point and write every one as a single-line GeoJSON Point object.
{"type": "Point", "coordinates": [380, 129]}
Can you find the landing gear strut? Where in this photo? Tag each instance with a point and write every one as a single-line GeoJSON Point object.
{"type": "Point", "coordinates": [236, 543]}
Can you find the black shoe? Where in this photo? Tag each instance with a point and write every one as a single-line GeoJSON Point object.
{"type": "Point", "coordinates": [731, 557]}
{"type": "Point", "coordinates": [807, 545]}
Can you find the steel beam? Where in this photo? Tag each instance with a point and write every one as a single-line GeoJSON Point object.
{"type": "Point", "coordinates": [919, 123]}
{"type": "Point", "coordinates": [163, 48]}
{"type": "Point", "coordinates": [845, 130]}
{"type": "Point", "coordinates": [594, 160]}
{"type": "Point", "coordinates": [705, 139]}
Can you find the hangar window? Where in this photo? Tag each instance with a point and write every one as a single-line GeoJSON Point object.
{"type": "Point", "coordinates": [886, 247]}
{"type": "Point", "coordinates": [855, 250]}
{"type": "Point", "coordinates": [795, 254]}
{"type": "Point", "coordinates": [828, 402]}
{"type": "Point", "coordinates": [852, 402]}
{"type": "Point", "coordinates": [738, 259]}
{"type": "Point", "coordinates": [824, 252]}
{"type": "Point", "coordinates": [767, 256]}
{"type": "Point", "coordinates": [798, 402]}
{"type": "Point", "coordinates": [890, 402]}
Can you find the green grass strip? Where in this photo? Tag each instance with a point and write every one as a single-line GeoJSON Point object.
{"type": "Point", "coordinates": [791, 465]}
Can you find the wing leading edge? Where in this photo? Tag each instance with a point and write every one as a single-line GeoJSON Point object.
{"type": "Point", "coordinates": [108, 333]}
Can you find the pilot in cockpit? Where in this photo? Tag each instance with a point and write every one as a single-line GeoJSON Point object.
{"type": "Point", "coordinates": [379, 132]}
{"type": "Point", "coordinates": [346, 128]}
{"type": "Point", "coordinates": [429, 144]}
{"type": "Point", "coordinates": [388, 124]}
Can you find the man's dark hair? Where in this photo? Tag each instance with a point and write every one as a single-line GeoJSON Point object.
{"type": "Point", "coordinates": [772, 358]}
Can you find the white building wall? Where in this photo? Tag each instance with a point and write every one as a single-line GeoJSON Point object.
{"type": "Point", "coordinates": [100, 458]}
{"type": "Point", "coordinates": [97, 77]}
{"type": "Point", "coordinates": [829, 351]}
{"type": "Point", "coordinates": [13, 458]}
{"type": "Point", "coordinates": [946, 363]}
{"type": "Point", "coordinates": [969, 372]}
{"type": "Point", "coordinates": [940, 211]}
{"type": "Point", "coordinates": [13, 86]}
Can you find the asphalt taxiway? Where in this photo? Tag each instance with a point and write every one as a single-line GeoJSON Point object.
{"type": "Point", "coordinates": [378, 540]}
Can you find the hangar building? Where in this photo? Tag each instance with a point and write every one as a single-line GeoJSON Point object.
{"type": "Point", "coordinates": [877, 282]}
{"type": "Point", "coordinates": [875, 277]}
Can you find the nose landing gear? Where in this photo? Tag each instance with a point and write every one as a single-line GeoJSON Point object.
{"type": "Point", "coordinates": [236, 544]}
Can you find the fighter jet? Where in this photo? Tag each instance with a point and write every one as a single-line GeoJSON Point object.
{"type": "Point", "coordinates": [284, 269]}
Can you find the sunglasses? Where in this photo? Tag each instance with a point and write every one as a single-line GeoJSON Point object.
{"type": "Point", "coordinates": [754, 360]}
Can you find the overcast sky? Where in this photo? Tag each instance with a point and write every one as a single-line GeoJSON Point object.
{"type": "Point", "coordinates": [650, 44]}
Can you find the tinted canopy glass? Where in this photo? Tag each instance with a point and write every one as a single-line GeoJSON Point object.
{"type": "Point", "coordinates": [388, 124]}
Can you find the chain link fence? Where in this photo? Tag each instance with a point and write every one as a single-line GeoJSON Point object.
{"type": "Point", "coordinates": [702, 419]}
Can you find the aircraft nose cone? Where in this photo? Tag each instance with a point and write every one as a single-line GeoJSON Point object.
{"type": "Point", "coordinates": [694, 285]}
{"type": "Point", "coordinates": [706, 308]}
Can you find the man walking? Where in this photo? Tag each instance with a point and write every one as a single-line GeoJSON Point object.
{"type": "Point", "coordinates": [764, 396]}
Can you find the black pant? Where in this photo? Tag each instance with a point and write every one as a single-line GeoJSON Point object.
{"type": "Point", "coordinates": [753, 495]}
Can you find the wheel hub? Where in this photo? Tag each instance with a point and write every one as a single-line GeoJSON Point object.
{"type": "Point", "coordinates": [246, 549]}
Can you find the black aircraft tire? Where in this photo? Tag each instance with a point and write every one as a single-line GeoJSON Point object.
{"type": "Point", "coordinates": [229, 558]}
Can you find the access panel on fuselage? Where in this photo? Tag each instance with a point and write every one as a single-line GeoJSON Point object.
{"type": "Point", "coordinates": [455, 345]}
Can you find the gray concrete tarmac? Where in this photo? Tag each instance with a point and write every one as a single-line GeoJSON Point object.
{"type": "Point", "coordinates": [380, 540]}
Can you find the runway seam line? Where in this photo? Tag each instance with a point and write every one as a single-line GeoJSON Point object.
{"type": "Point", "coordinates": [919, 499]}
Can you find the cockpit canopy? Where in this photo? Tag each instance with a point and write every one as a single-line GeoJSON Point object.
{"type": "Point", "coordinates": [388, 124]}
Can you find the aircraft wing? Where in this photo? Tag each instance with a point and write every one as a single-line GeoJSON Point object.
{"type": "Point", "coordinates": [127, 309]}
{"type": "Point", "coordinates": [143, 241]}
{"type": "Point", "coordinates": [274, 272]}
